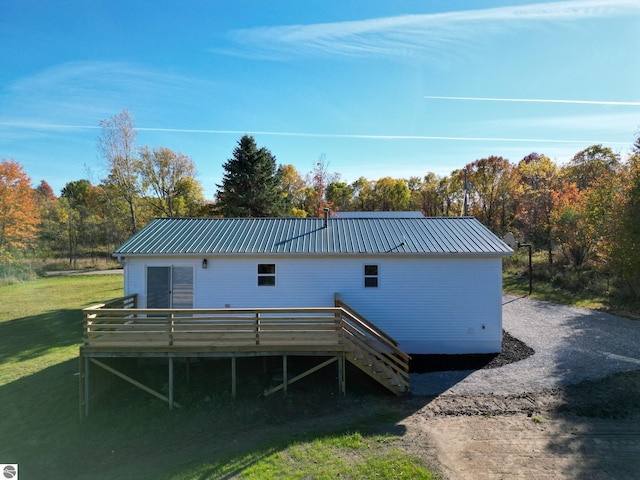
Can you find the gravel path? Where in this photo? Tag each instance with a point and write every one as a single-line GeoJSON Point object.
{"type": "Point", "coordinates": [571, 344]}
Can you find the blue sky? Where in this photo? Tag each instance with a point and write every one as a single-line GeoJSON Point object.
{"type": "Point", "coordinates": [380, 88]}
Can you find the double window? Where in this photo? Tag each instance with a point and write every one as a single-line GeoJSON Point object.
{"type": "Point", "coordinates": [266, 274]}
{"type": "Point", "coordinates": [371, 276]}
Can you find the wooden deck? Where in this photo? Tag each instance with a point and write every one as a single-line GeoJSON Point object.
{"type": "Point", "coordinates": [119, 329]}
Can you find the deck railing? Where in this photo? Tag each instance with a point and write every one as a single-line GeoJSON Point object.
{"type": "Point", "coordinates": [222, 328]}
{"type": "Point", "coordinates": [119, 324]}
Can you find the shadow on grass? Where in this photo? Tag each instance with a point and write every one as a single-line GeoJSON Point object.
{"type": "Point", "coordinates": [30, 337]}
{"type": "Point", "coordinates": [130, 434]}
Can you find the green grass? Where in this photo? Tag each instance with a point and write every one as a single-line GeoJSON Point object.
{"type": "Point", "coordinates": [41, 321]}
{"type": "Point", "coordinates": [517, 283]}
{"type": "Point", "coordinates": [133, 435]}
{"type": "Point", "coordinates": [350, 455]}
{"type": "Point", "coordinates": [565, 285]}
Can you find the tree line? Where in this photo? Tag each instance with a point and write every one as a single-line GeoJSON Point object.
{"type": "Point", "coordinates": [585, 213]}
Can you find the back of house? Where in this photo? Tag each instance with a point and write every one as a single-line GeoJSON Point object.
{"type": "Point", "coordinates": [433, 284]}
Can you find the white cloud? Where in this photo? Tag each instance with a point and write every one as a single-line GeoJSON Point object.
{"type": "Point", "coordinates": [83, 93]}
{"type": "Point", "coordinates": [411, 35]}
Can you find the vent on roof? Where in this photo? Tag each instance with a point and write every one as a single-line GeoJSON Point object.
{"type": "Point", "coordinates": [326, 217]}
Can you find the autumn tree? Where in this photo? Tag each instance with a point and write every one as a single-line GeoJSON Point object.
{"type": "Point", "coordinates": [492, 189]}
{"type": "Point", "coordinates": [340, 195]}
{"type": "Point", "coordinates": [191, 201]}
{"type": "Point", "coordinates": [117, 145]}
{"type": "Point", "coordinates": [570, 225]}
{"type": "Point", "coordinates": [44, 193]}
{"type": "Point", "coordinates": [19, 213]}
{"type": "Point", "coordinates": [596, 171]}
{"type": "Point", "coordinates": [538, 178]}
{"type": "Point", "coordinates": [591, 164]}
{"type": "Point", "coordinates": [251, 185]}
{"type": "Point", "coordinates": [293, 186]}
{"type": "Point", "coordinates": [75, 199]}
{"type": "Point", "coordinates": [391, 194]}
{"type": "Point", "coordinates": [451, 193]}
{"type": "Point", "coordinates": [623, 237]}
{"type": "Point", "coordinates": [425, 195]}
{"type": "Point", "coordinates": [363, 197]}
{"type": "Point", "coordinates": [316, 192]}
{"type": "Point", "coordinates": [169, 177]}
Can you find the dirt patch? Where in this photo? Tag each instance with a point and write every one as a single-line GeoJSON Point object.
{"type": "Point", "coordinates": [522, 447]}
{"type": "Point", "coordinates": [588, 430]}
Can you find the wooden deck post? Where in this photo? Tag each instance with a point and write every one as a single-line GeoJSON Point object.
{"type": "Point", "coordinates": [342, 384]}
{"type": "Point", "coordinates": [233, 377]}
{"type": "Point", "coordinates": [257, 329]}
{"type": "Point", "coordinates": [284, 373]}
{"type": "Point", "coordinates": [170, 383]}
{"type": "Point", "coordinates": [84, 387]}
{"type": "Point", "coordinates": [171, 328]}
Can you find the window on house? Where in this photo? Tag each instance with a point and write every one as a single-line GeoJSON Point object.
{"type": "Point", "coordinates": [266, 274]}
{"type": "Point", "coordinates": [371, 276]}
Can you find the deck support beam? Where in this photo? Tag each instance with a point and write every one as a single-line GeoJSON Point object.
{"type": "Point", "coordinates": [286, 381]}
{"type": "Point", "coordinates": [133, 382]}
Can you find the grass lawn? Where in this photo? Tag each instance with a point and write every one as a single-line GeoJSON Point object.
{"type": "Point", "coordinates": [517, 283]}
{"type": "Point", "coordinates": [133, 435]}
{"type": "Point", "coordinates": [561, 284]}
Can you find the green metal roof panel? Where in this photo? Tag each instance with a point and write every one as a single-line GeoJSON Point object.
{"type": "Point", "coordinates": [200, 236]}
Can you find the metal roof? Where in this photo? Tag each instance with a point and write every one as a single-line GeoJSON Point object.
{"type": "Point", "coordinates": [382, 214]}
{"type": "Point", "coordinates": [289, 236]}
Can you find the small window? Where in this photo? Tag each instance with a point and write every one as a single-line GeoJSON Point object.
{"type": "Point", "coordinates": [266, 274]}
{"type": "Point", "coordinates": [371, 276]}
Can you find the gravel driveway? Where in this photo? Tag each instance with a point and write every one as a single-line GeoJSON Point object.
{"type": "Point", "coordinates": [571, 344]}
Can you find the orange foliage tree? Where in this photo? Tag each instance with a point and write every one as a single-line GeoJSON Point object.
{"type": "Point", "coordinates": [19, 215]}
{"type": "Point", "coordinates": [570, 224]}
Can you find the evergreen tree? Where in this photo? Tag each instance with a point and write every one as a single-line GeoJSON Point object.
{"type": "Point", "coordinates": [251, 185]}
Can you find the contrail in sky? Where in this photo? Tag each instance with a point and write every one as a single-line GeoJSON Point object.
{"type": "Point", "coordinates": [49, 126]}
{"type": "Point", "coordinates": [536, 100]}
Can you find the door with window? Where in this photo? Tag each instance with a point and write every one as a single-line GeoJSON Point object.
{"type": "Point", "coordinates": [170, 287]}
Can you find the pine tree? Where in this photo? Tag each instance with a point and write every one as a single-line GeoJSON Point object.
{"type": "Point", "coordinates": [251, 186]}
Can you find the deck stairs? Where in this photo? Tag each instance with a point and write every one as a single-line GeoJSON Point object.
{"type": "Point", "coordinates": [374, 352]}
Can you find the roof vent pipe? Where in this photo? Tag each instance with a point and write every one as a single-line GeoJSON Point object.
{"type": "Point", "coordinates": [326, 217]}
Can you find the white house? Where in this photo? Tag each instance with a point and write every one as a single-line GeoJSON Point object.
{"type": "Point", "coordinates": [433, 284]}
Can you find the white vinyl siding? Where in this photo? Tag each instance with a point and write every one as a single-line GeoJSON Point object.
{"type": "Point", "coordinates": [428, 304]}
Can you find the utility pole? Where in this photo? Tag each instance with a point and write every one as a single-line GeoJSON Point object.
{"type": "Point", "coordinates": [467, 187]}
